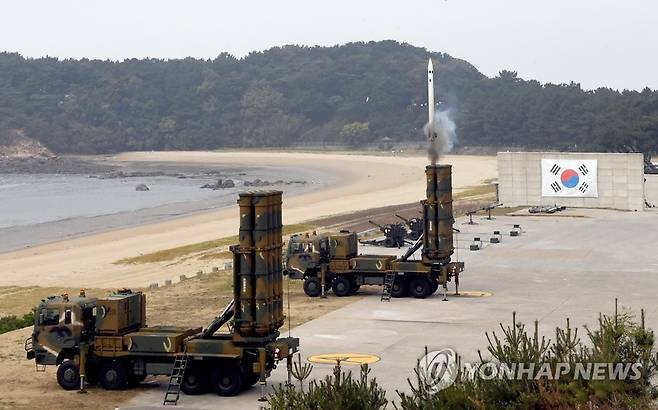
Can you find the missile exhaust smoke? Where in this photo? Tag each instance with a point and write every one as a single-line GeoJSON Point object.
{"type": "Point", "coordinates": [443, 139]}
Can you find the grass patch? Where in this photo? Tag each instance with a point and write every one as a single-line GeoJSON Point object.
{"type": "Point", "coordinates": [13, 322]}
{"type": "Point", "coordinates": [180, 251]}
{"type": "Point", "coordinates": [216, 255]}
{"type": "Point", "coordinates": [477, 191]}
{"type": "Point", "coordinates": [16, 300]}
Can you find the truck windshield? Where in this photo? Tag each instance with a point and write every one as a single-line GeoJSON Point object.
{"type": "Point", "coordinates": [49, 317]}
{"type": "Point", "coordinates": [297, 247]}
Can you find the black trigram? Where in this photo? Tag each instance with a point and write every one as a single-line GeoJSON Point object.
{"type": "Point", "coordinates": [555, 169]}
{"type": "Point", "coordinates": [583, 169]}
{"type": "Point", "coordinates": [556, 187]}
{"type": "Point", "coordinates": [583, 186]}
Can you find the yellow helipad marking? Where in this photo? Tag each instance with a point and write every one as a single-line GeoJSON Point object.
{"type": "Point", "coordinates": [474, 293]}
{"type": "Point", "coordinates": [344, 358]}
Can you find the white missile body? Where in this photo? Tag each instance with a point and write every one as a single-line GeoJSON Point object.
{"type": "Point", "coordinates": [431, 133]}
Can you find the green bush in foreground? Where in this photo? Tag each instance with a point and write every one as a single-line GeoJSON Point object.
{"type": "Point", "coordinates": [618, 339]}
{"type": "Point", "coordinates": [13, 322]}
{"type": "Point", "coordinates": [338, 391]}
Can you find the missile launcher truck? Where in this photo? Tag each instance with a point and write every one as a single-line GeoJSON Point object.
{"type": "Point", "coordinates": [106, 340]}
{"type": "Point", "coordinates": [333, 260]}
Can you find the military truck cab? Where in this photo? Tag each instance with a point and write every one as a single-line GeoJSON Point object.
{"type": "Point", "coordinates": [305, 254]}
{"type": "Point", "coordinates": [60, 324]}
{"type": "Point", "coordinates": [102, 340]}
{"type": "Point", "coordinates": [314, 257]}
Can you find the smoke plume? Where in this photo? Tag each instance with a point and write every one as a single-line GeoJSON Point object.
{"type": "Point", "coordinates": [444, 137]}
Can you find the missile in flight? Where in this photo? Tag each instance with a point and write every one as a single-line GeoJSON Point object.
{"type": "Point", "coordinates": [431, 132]}
{"type": "Point", "coordinates": [433, 142]}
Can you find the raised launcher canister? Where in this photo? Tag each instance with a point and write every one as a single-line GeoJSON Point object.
{"type": "Point", "coordinates": [246, 355]}
{"type": "Point", "coordinates": [258, 288]}
{"type": "Point", "coordinates": [437, 215]}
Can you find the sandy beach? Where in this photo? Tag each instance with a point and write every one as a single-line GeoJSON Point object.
{"type": "Point", "coordinates": [365, 182]}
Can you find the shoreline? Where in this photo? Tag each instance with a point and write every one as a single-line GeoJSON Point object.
{"type": "Point", "coordinates": [363, 182]}
{"type": "Point", "coordinates": [49, 227]}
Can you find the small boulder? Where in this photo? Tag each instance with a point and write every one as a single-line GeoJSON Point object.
{"type": "Point", "coordinates": [220, 184]}
{"type": "Point", "coordinates": [257, 183]}
{"type": "Point", "coordinates": [228, 184]}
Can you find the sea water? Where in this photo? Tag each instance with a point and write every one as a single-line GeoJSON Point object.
{"type": "Point", "coordinates": [41, 208]}
{"type": "Point", "coordinates": [39, 198]}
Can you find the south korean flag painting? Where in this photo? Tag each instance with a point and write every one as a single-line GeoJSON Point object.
{"type": "Point", "coordinates": [569, 178]}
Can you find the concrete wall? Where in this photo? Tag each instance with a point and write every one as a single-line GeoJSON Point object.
{"type": "Point", "coordinates": [651, 189]}
{"type": "Point", "coordinates": [620, 180]}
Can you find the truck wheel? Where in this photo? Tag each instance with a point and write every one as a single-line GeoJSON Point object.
{"type": "Point", "coordinates": [312, 286]}
{"type": "Point", "coordinates": [227, 379]}
{"type": "Point", "coordinates": [135, 380]}
{"type": "Point", "coordinates": [354, 287]}
{"type": "Point", "coordinates": [420, 288]}
{"type": "Point", "coordinates": [193, 382]}
{"type": "Point", "coordinates": [251, 380]}
{"type": "Point", "coordinates": [400, 287]}
{"type": "Point", "coordinates": [113, 376]}
{"type": "Point", "coordinates": [389, 243]}
{"type": "Point", "coordinates": [68, 375]}
{"type": "Point", "coordinates": [435, 286]}
{"type": "Point", "coordinates": [341, 286]}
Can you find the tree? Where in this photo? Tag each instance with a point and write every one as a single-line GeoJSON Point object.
{"type": "Point", "coordinates": [352, 94]}
{"type": "Point", "coordinates": [354, 133]}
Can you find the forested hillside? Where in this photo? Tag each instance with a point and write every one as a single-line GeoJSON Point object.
{"type": "Point", "coordinates": [355, 94]}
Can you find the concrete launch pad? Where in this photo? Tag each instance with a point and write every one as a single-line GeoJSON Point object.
{"type": "Point", "coordinates": [560, 266]}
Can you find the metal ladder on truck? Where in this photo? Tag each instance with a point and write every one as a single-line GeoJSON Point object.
{"type": "Point", "coordinates": [388, 287]}
{"type": "Point", "coordinates": [176, 379]}
{"type": "Point", "coordinates": [29, 348]}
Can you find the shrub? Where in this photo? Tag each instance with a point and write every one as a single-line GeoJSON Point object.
{"type": "Point", "coordinates": [13, 322]}
{"type": "Point", "coordinates": [339, 391]}
{"type": "Point", "coordinates": [619, 339]}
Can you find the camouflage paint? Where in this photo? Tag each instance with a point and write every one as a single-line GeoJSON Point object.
{"type": "Point", "coordinates": [437, 214]}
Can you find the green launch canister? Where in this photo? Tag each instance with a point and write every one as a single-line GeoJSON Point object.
{"type": "Point", "coordinates": [437, 213]}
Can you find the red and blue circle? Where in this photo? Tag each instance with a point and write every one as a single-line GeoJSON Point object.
{"type": "Point", "coordinates": [569, 178]}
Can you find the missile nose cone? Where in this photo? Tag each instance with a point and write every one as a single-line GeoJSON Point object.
{"type": "Point", "coordinates": [430, 67]}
